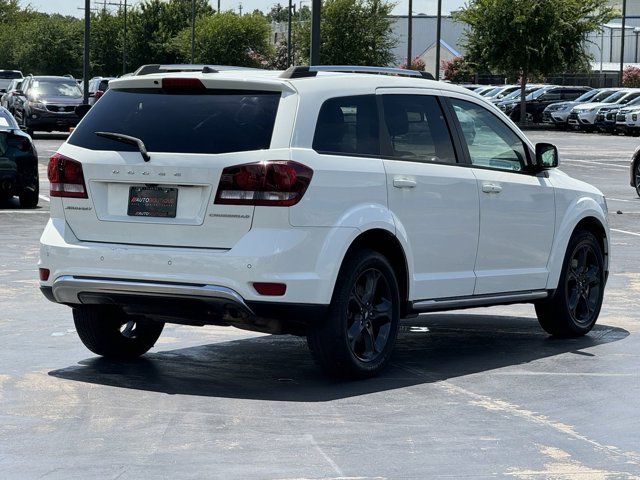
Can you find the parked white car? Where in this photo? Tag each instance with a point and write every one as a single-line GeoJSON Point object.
{"type": "Point", "coordinates": [628, 120]}
{"type": "Point", "coordinates": [584, 115]}
{"type": "Point", "coordinates": [324, 204]}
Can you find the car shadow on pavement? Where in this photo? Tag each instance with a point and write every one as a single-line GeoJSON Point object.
{"type": "Point", "coordinates": [430, 348]}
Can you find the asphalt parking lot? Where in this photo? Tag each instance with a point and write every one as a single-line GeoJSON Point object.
{"type": "Point", "coordinates": [483, 393]}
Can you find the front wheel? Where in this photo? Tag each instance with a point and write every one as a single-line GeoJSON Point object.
{"type": "Point", "coordinates": [637, 177]}
{"type": "Point", "coordinates": [109, 332]}
{"type": "Point", "coordinates": [575, 306]}
{"type": "Point", "coordinates": [357, 337]}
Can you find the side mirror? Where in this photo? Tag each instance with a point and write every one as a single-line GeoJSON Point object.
{"type": "Point", "coordinates": [546, 156]}
{"type": "Point", "coordinates": [82, 110]}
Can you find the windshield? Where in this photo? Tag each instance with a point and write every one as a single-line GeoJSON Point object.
{"type": "Point", "coordinates": [492, 92]}
{"type": "Point", "coordinates": [630, 97]}
{"type": "Point", "coordinates": [55, 88]}
{"type": "Point", "coordinates": [615, 97]}
{"type": "Point", "coordinates": [516, 93]}
{"type": "Point", "coordinates": [593, 96]}
{"type": "Point", "coordinates": [218, 121]}
{"type": "Point", "coordinates": [536, 93]}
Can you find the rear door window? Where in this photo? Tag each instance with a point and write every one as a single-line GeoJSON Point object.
{"type": "Point", "coordinates": [218, 121]}
{"type": "Point", "coordinates": [417, 129]}
{"type": "Point", "coordinates": [348, 126]}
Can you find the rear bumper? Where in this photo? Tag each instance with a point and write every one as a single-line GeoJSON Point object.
{"type": "Point", "coordinates": [307, 260]}
{"type": "Point", "coordinates": [184, 303]}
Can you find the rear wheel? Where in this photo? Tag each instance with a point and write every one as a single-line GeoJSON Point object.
{"type": "Point", "coordinates": [637, 177]}
{"type": "Point", "coordinates": [29, 198]}
{"type": "Point", "coordinates": [358, 335]}
{"type": "Point", "coordinates": [575, 306]}
{"type": "Point", "coordinates": [109, 332]}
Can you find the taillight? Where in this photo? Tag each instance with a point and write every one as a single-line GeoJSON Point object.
{"type": "Point", "coordinates": [98, 94]}
{"type": "Point", "coordinates": [66, 177]}
{"type": "Point", "coordinates": [280, 183]}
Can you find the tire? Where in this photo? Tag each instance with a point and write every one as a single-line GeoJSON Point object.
{"type": "Point", "coordinates": [636, 177]}
{"type": "Point", "coordinates": [29, 198]}
{"type": "Point", "coordinates": [581, 282]}
{"type": "Point", "coordinates": [356, 339]}
{"type": "Point", "coordinates": [109, 332]}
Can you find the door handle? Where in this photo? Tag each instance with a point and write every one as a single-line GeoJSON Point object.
{"type": "Point", "coordinates": [404, 182]}
{"type": "Point", "coordinates": [491, 188]}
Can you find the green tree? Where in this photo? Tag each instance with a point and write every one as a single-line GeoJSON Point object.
{"type": "Point", "coordinates": [352, 32]}
{"type": "Point", "coordinates": [153, 26]}
{"type": "Point", "coordinates": [107, 31]}
{"type": "Point", "coordinates": [228, 39]}
{"type": "Point", "coordinates": [531, 37]}
{"type": "Point", "coordinates": [50, 44]}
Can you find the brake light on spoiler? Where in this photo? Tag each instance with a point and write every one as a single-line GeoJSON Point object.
{"type": "Point", "coordinates": [280, 183]}
{"type": "Point", "coordinates": [66, 177]}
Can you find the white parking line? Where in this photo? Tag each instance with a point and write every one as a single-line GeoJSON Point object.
{"type": "Point", "coordinates": [626, 232]}
{"type": "Point", "coordinates": [45, 198]}
{"type": "Point", "coordinates": [621, 200]}
{"type": "Point", "coordinates": [615, 165]}
{"type": "Point", "coordinates": [27, 212]}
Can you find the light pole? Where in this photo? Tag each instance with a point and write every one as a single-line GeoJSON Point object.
{"type": "Point", "coordinates": [624, 25]}
{"type": "Point", "coordinates": [193, 30]}
{"type": "Point", "coordinates": [289, 34]}
{"type": "Point", "coordinates": [85, 63]}
{"type": "Point", "coordinates": [124, 41]}
{"type": "Point", "coordinates": [315, 32]}
{"type": "Point", "coordinates": [409, 34]}
{"type": "Point", "coordinates": [438, 37]}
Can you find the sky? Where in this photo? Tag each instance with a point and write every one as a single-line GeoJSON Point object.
{"type": "Point", "coordinates": [71, 7]}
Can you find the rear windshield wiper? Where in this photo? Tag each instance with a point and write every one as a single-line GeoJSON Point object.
{"type": "Point", "coordinates": [119, 137]}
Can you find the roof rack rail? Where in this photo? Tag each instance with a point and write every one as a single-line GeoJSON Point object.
{"type": "Point", "coordinates": [312, 71]}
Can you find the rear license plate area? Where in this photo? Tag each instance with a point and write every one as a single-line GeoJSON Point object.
{"type": "Point", "coordinates": [152, 202]}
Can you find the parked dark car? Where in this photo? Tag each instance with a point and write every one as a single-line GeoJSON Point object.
{"type": "Point", "coordinates": [98, 86]}
{"type": "Point", "coordinates": [7, 99]}
{"type": "Point", "coordinates": [18, 163]}
{"type": "Point", "coordinates": [6, 76]}
{"type": "Point", "coordinates": [537, 101]}
{"type": "Point", "coordinates": [48, 104]}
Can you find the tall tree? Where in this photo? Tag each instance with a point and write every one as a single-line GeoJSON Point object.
{"type": "Point", "coordinates": [352, 32]}
{"type": "Point", "coordinates": [527, 38]}
{"type": "Point", "coordinates": [228, 39]}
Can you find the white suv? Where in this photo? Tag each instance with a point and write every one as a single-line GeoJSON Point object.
{"type": "Point", "coordinates": [312, 203]}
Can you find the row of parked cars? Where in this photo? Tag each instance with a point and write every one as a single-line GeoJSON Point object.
{"type": "Point", "coordinates": [46, 103]}
{"type": "Point", "coordinates": [611, 110]}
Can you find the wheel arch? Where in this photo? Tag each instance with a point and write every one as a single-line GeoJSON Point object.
{"type": "Point", "coordinates": [387, 244]}
{"type": "Point", "coordinates": [590, 220]}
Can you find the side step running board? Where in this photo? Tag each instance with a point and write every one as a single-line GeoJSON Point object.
{"type": "Point", "coordinates": [478, 301]}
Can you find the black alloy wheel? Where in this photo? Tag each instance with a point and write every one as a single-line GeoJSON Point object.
{"type": "Point", "coordinates": [369, 315]}
{"type": "Point", "coordinates": [583, 284]}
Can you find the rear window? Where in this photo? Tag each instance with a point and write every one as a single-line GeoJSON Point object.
{"type": "Point", "coordinates": [218, 121]}
{"type": "Point", "coordinates": [10, 74]}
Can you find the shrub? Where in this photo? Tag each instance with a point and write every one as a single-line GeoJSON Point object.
{"type": "Point", "coordinates": [631, 77]}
